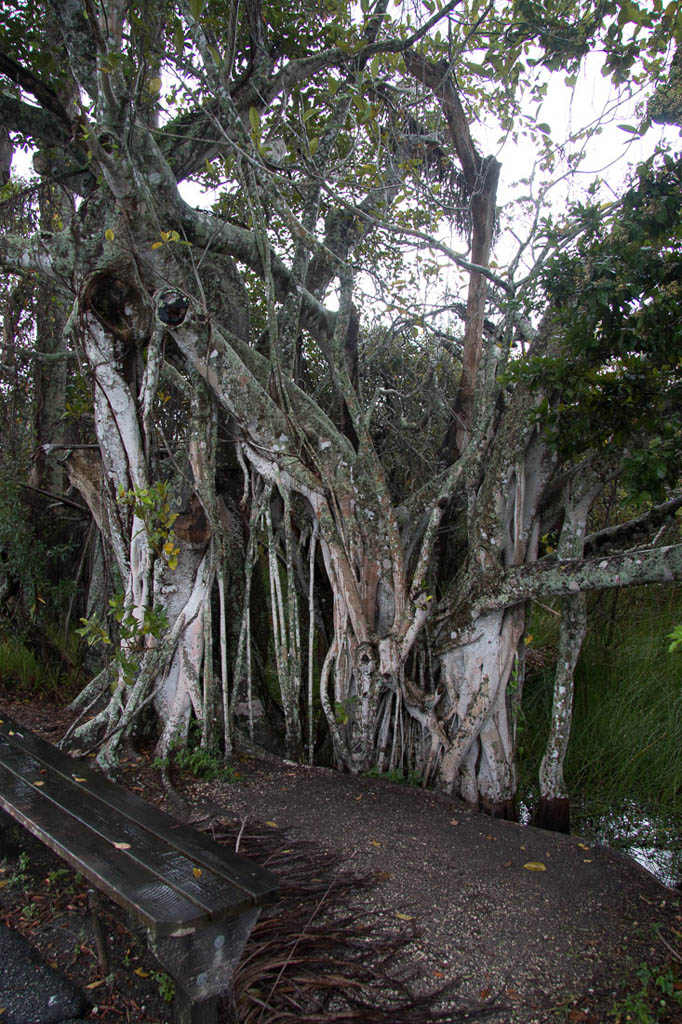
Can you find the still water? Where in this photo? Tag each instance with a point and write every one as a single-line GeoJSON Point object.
{"type": "Point", "coordinates": [653, 841]}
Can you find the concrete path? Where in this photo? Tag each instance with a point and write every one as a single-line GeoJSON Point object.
{"type": "Point", "coordinates": [31, 992]}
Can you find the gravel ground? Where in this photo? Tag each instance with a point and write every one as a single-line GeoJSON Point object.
{"type": "Point", "coordinates": [544, 925]}
{"type": "Point", "coordinates": [518, 915]}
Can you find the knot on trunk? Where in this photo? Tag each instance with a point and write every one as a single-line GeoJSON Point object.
{"type": "Point", "coordinates": [192, 527]}
{"type": "Point", "coordinates": [115, 299]}
{"type": "Point", "coordinates": [172, 308]}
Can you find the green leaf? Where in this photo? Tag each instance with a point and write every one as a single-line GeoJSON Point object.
{"type": "Point", "coordinates": [254, 120]}
{"type": "Point", "coordinates": [217, 59]}
{"type": "Point", "coordinates": [544, 128]}
{"type": "Point", "coordinates": [312, 145]}
{"type": "Point", "coordinates": [630, 129]}
{"type": "Point", "coordinates": [196, 7]}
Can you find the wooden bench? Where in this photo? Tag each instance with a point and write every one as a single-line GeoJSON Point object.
{"type": "Point", "coordinates": [198, 901]}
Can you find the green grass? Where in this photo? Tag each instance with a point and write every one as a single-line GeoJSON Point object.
{"type": "Point", "coordinates": [19, 666]}
{"type": "Point", "coordinates": [626, 740]}
{"type": "Point", "coordinates": [24, 674]}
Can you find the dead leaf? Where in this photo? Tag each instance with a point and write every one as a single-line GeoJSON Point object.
{"type": "Point", "coordinates": [122, 846]}
{"type": "Point", "coordinates": [493, 839]}
{"type": "Point", "coordinates": [79, 778]}
{"type": "Point", "coordinates": [583, 846]}
{"type": "Point", "coordinates": [438, 974]}
{"type": "Point", "coordinates": [404, 917]}
{"type": "Point", "coordinates": [272, 824]}
{"type": "Point", "coordinates": [535, 865]}
{"type": "Point", "coordinates": [197, 872]}
{"type": "Point", "coordinates": [523, 846]}
{"type": "Point", "coordinates": [575, 1015]}
{"type": "Point", "coordinates": [587, 860]}
{"type": "Point", "coordinates": [39, 782]}
{"type": "Point", "coordinates": [507, 864]}
{"type": "Point", "coordinates": [3, 883]}
{"type": "Point", "coordinates": [382, 876]}
{"type": "Point", "coordinates": [454, 821]}
{"type": "Point", "coordinates": [375, 842]}
{"type": "Point", "coordinates": [484, 993]}
{"type": "Point", "coordinates": [141, 973]}
{"type": "Point", "coordinates": [95, 984]}
{"type": "Point", "coordinates": [359, 797]}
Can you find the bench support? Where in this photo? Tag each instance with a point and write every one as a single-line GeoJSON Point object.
{"type": "Point", "coordinates": [202, 964]}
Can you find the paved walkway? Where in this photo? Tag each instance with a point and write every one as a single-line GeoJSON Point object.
{"type": "Point", "coordinates": [31, 992]}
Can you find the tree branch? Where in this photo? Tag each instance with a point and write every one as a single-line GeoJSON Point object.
{"type": "Point", "coordinates": [27, 81]}
{"type": "Point", "coordinates": [36, 122]}
{"type": "Point", "coordinates": [637, 530]}
{"type": "Point", "coordinates": [505, 587]}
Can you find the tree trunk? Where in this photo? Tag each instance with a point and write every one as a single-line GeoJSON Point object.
{"type": "Point", "coordinates": [478, 762]}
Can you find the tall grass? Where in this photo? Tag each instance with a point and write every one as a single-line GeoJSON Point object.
{"type": "Point", "coordinates": [23, 674]}
{"type": "Point", "coordinates": [626, 741]}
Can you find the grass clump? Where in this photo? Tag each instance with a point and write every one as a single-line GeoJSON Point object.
{"type": "Point", "coordinates": [204, 763]}
{"type": "Point", "coordinates": [397, 776]}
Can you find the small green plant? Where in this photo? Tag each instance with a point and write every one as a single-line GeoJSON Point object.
{"type": "Point", "coordinates": [152, 506]}
{"type": "Point", "coordinates": [343, 710]}
{"type": "Point", "coordinates": [655, 1001]}
{"type": "Point", "coordinates": [202, 762]}
{"type": "Point", "coordinates": [57, 876]}
{"type": "Point", "coordinates": [676, 638]}
{"type": "Point", "coordinates": [166, 985]}
{"type": "Point", "coordinates": [78, 398]}
{"type": "Point", "coordinates": [133, 632]}
{"type": "Point", "coordinates": [396, 775]}
{"type": "Point", "coordinates": [20, 874]}
{"type": "Point", "coordinates": [30, 911]}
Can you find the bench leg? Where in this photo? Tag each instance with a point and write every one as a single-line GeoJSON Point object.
{"type": "Point", "coordinates": [188, 1012]}
{"type": "Point", "coordinates": [202, 963]}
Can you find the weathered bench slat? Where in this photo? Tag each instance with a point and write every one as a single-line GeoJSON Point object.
{"type": "Point", "coordinates": [259, 883]}
{"type": "Point", "coordinates": [209, 895]}
{"type": "Point", "coordinates": [157, 905]}
{"type": "Point", "coordinates": [197, 900]}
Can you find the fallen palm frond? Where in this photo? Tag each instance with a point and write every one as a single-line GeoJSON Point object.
{"type": "Point", "coordinates": [322, 954]}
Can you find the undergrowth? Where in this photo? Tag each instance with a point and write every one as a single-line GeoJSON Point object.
{"type": "Point", "coordinates": [654, 995]}
{"type": "Point", "coordinates": [24, 673]}
{"type": "Point", "coordinates": [202, 762]}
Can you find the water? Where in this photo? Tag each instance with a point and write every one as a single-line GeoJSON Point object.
{"type": "Point", "coordinates": [653, 841]}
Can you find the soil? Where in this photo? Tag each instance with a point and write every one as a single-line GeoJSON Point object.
{"type": "Point", "coordinates": [515, 925]}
